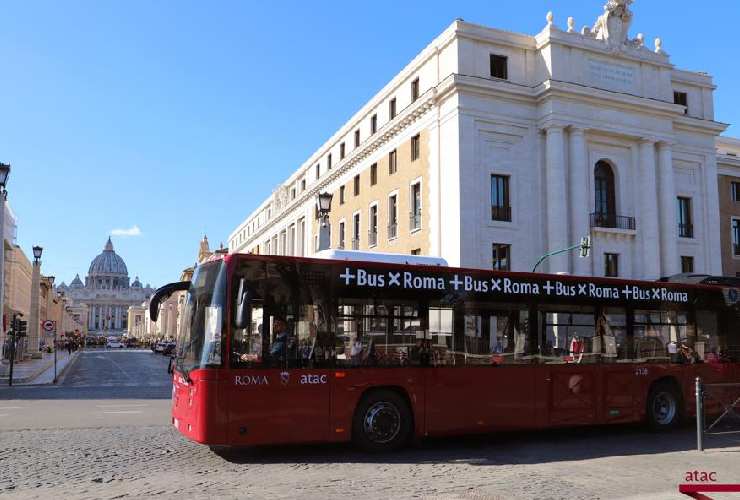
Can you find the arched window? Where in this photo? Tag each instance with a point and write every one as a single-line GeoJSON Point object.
{"type": "Point", "coordinates": [606, 210]}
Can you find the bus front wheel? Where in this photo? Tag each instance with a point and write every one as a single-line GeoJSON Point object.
{"type": "Point", "coordinates": [663, 407]}
{"type": "Point", "coordinates": [382, 422]}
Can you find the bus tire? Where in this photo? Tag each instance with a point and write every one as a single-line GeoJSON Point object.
{"type": "Point", "coordinates": [382, 422]}
{"type": "Point", "coordinates": [663, 407]}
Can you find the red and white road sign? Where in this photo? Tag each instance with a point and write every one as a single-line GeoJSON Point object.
{"type": "Point", "coordinates": [49, 325]}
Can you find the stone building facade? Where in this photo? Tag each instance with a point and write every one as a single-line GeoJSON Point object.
{"type": "Point", "coordinates": [492, 148]}
{"type": "Point", "coordinates": [729, 204]}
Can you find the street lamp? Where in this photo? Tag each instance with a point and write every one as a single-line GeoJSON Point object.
{"type": "Point", "coordinates": [4, 173]}
{"type": "Point", "coordinates": [37, 251]}
{"type": "Point", "coordinates": [323, 200]}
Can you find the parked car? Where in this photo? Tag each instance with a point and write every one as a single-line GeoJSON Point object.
{"type": "Point", "coordinates": [114, 344]}
{"type": "Point", "coordinates": [169, 349]}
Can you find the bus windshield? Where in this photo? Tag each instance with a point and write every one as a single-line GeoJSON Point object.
{"type": "Point", "coordinates": [199, 338]}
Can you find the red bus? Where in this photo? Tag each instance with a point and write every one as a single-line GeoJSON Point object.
{"type": "Point", "coordinates": [279, 350]}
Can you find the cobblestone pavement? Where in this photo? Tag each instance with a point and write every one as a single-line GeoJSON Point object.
{"type": "Point", "coordinates": [138, 462]}
{"type": "Point", "coordinates": [105, 433]}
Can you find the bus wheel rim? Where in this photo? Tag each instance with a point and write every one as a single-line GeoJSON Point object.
{"type": "Point", "coordinates": [382, 422]}
{"type": "Point", "coordinates": [664, 408]}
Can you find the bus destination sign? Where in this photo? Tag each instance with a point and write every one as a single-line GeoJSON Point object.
{"type": "Point", "coordinates": [508, 286]}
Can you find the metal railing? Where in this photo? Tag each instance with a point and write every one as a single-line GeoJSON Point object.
{"type": "Point", "coordinates": [392, 231]}
{"type": "Point", "coordinates": [372, 238]}
{"type": "Point", "coordinates": [415, 220]}
{"type": "Point", "coordinates": [686, 230]}
{"type": "Point", "coordinates": [501, 213]}
{"type": "Point", "coordinates": [613, 221]}
{"type": "Point", "coordinates": [355, 243]}
{"type": "Point", "coordinates": [725, 397]}
{"type": "Point", "coordinates": [736, 248]}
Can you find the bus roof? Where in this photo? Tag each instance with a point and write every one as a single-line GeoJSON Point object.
{"type": "Point", "coordinates": [389, 258]}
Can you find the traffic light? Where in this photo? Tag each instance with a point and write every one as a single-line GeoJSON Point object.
{"type": "Point", "coordinates": [22, 328]}
{"type": "Point", "coordinates": [14, 324]}
{"type": "Point", "coordinates": [585, 246]}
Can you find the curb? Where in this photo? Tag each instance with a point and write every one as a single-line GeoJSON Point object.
{"type": "Point", "coordinates": [28, 380]}
{"type": "Point", "coordinates": [63, 371]}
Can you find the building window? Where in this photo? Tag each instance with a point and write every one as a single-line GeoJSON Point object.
{"type": "Point", "coordinates": [735, 191]}
{"type": "Point", "coordinates": [500, 204]}
{"type": "Point", "coordinates": [416, 251]}
{"type": "Point", "coordinates": [605, 197]}
{"type": "Point", "coordinates": [373, 174]}
{"type": "Point", "coordinates": [501, 257]}
{"type": "Point", "coordinates": [685, 228]}
{"type": "Point", "coordinates": [341, 235]}
{"type": "Point", "coordinates": [687, 264]}
{"type": "Point", "coordinates": [392, 109]}
{"type": "Point", "coordinates": [736, 237]}
{"type": "Point", "coordinates": [499, 66]}
{"type": "Point", "coordinates": [318, 170]}
{"type": "Point", "coordinates": [681, 98]}
{"type": "Point", "coordinates": [415, 216]}
{"type": "Point", "coordinates": [303, 184]}
{"type": "Point", "coordinates": [341, 195]}
{"type": "Point", "coordinates": [373, 124]}
{"type": "Point", "coordinates": [415, 148]}
{"type": "Point", "coordinates": [392, 216]}
{"type": "Point", "coordinates": [357, 138]}
{"type": "Point", "coordinates": [292, 193]}
{"type": "Point", "coordinates": [357, 185]}
{"type": "Point", "coordinates": [328, 161]}
{"type": "Point", "coordinates": [356, 232]}
{"type": "Point", "coordinates": [342, 151]}
{"type": "Point", "coordinates": [392, 162]}
{"type": "Point", "coordinates": [611, 265]}
{"type": "Point", "coordinates": [415, 89]}
{"type": "Point", "coordinates": [373, 230]}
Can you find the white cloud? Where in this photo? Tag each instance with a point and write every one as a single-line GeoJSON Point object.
{"type": "Point", "coordinates": [132, 231]}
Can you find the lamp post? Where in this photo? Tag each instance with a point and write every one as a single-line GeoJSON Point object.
{"type": "Point", "coordinates": [323, 204]}
{"type": "Point", "coordinates": [4, 173]}
{"type": "Point", "coordinates": [34, 326]}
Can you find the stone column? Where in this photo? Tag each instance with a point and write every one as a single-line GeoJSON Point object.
{"type": "Point", "coordinates": [557, 196]}
{"type": "Point", "coordinates": [712, 227]}
{"type": "Point", "coordinates": [647, 222]}
{"type": "Point", "coordinates": [579, 203]}
{"type": "Point", "coordinates": [670, 263]}
{"type": "Point", "coordinates": [33, 326]}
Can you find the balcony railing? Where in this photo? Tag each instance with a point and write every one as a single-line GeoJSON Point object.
{"type": "Point", "coordinates": [392, 231]}
{"type": "Point", "coordinates": [736, 248]}
{"type": "Point", "coordinates": [415, 220]}
{"type": "Point", "coordinates": [501, 213]}
{"type": "Point", "coordinates": [341, 245]}
{"type": "Point", "coordinates": [372, 238]}
{"type": "Point", "coordinates": [355, 243]}
{"type": "Point", "coordinates": [686, 230]}
{"type": "Point", "coordinates": [601, 219]}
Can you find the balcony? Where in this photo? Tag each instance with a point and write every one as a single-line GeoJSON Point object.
{"type": "Point", "coordinates": [612, 221]}
{"type": "Point", "coordinates": [686, 230]}
{"type": "Point", "coordinates": [355, 243]}
{"type": "Point", "coordinates": [415, 220]}
{"type": "Point", "coordinates": [392, 231]}
{"type": "Point", "coordinates": [372, 238]}
{"type": "Point", "coordinates": [501, 213]}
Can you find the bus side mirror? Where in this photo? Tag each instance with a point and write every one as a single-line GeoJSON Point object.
{"type": "Point", "coordinates": [243, 314]}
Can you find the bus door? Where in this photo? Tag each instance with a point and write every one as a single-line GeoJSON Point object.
{"type": "Point", "coordinates": [569, 373]}
{"type": "Point", "coordinates": [481, 377]}
{"type": "Point", "coordinates": [278, 392]}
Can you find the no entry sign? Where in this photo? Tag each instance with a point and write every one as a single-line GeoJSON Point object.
{"type": "Point", "coordinates": [48, 325]}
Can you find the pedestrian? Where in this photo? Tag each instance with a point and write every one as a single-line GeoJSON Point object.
{"type": "Point", "coordinates": [69, 347]}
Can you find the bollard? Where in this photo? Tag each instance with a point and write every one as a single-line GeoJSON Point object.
{"type": "Point", "coordinates": [699, 415]}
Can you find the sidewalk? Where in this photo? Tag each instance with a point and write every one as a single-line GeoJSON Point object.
{"type": "Point", "coordinates": [37, 371]}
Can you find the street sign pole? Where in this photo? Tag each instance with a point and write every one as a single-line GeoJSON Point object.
{"type": "Point", "coordinates": [14, 326]}
{"type": "Point", "coordinates": [55, 355]}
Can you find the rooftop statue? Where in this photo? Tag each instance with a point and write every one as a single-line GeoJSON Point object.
{"type": "Point", "coordinates": [614, 24]}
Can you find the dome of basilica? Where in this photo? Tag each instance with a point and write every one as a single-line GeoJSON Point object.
{"type": "Point", "coordinates": [108, 263]}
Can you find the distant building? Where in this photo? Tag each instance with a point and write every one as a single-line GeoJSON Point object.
{"type": "Point", "coordinates": [107, 292]}
{"type": "Point", "coordinates": [728, 164]}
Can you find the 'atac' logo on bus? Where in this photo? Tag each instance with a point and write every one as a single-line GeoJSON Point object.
{"type": "Point", "coordinates": [251, 380]}
{"type": "Point", "coordinates": [311, 378]}
{"type": "Point", "coordinates": [284, 377]}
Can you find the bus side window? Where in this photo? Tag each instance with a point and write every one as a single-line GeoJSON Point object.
{"type": "Point", "coordinates": [246, 343]}
{"type": "Point", "coordinates": [441, 335]}
{"type": "Point", "coordinates": [709, 344]}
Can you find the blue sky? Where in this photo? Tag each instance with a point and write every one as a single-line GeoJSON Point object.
{"type": "Point", "coordinates": [180, 117]}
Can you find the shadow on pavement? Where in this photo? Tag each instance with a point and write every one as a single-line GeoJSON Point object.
{"type": "Point", "coordinates": [515, 448]}
{"type": "Point", "coordinates": [88, 392]}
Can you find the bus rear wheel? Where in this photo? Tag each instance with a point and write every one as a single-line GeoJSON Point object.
{"type": "Point", "coordinates": [382, 422]}
{"type": "Point", "coordinates": [663, 407]}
